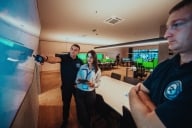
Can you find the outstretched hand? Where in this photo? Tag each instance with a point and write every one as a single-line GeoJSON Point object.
{"type": "Point", "coordinates": [39, 58]}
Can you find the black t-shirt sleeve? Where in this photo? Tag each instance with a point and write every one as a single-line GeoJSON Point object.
{"type": "Point", "coordinates": [63, 57]}
{"type": "Point", "coordinates": [177, 113]}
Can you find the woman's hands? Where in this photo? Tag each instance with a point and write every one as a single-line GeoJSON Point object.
{"type": "Point", "coordinates": [91, 84]}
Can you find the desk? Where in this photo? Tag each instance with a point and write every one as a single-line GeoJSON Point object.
{"type": "Point", "coordinates": [114, 92]}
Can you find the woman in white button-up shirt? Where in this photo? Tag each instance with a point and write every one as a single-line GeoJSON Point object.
{"type": "Point", "coordinates": [88, 78]}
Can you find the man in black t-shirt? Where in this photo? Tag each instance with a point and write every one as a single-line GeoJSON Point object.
{"type": "Point", "coordinates": [164, 99]}
{"type": "Point", "coordinates": [70, 64]}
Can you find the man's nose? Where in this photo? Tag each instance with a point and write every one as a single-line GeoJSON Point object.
{"type": "Point", "coordinates": [167, 33]}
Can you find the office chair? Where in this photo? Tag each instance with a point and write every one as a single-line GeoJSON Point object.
{"type": "Point", "coordinates": [127, 119]}
{"type": "Point", "coordinates": [116, 76]}
{"type": "Point", "coordinates": [140, 72]}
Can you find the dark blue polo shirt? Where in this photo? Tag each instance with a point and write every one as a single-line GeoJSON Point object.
{"type": "Point", "coordinates": [69, 69]}
{"type": "Point", "coordinates": [170, 87]}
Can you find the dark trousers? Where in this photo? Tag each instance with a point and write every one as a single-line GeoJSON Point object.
{"type": "Point", "coordinates": [67, 91]}
{"type": "Point", "coordinates": [85, 102]}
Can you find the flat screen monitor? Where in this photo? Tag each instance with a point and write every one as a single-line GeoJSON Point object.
{"type": "Point", "coordinates": [145, 54]}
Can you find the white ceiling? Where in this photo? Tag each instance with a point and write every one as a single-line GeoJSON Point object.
{"type": "Point", "coordinates": [82, 21]}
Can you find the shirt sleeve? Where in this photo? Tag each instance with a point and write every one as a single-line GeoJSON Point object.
{"type": "Point", "coordinates": [98, 78]}
{"type": "Point", "coordinates": [177, 113]}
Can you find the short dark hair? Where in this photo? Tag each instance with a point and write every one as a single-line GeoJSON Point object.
{"type": "Point", "coordinates": [180, 5]}
{"type": "Point", "coordinates": [76, 45]}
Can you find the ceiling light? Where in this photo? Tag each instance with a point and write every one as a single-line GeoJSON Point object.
{"type": "Point", "coordinates": [154, 41]}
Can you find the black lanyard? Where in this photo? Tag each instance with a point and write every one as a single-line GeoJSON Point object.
{"type": "Point", "coordinates": [88, 73]}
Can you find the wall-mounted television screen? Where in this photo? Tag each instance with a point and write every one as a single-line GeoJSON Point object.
{"type": "Point", "coordinates": [146, 57]}
{"type": "Point", "coordinates": [82, 56]}
{"type": "Point", "coordinates": [145, 54]}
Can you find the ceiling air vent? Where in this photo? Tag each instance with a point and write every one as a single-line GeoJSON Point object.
{"type": "Point", "coordinates": [113, 20]}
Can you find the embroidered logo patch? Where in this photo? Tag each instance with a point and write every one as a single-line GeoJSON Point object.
{"type": "Point", "coordinates": [78, 65]}
{"type": "Point", "coordinates": [173, 89]}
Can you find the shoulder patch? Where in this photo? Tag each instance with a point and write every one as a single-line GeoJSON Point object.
{"type": "Point", "coordinates": [78, 65]}
{"type": "Point", "coordinates": [173, 89]}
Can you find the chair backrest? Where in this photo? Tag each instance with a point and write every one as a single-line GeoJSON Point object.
{"type": "Point", "coordinates": [131, 80]}
{"type": "Point", "coordinates": [127, 120]}
{"type": "Point", "coordinates": [140, 72]}
{"type": "Point", "coordinates": [116, 76]}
